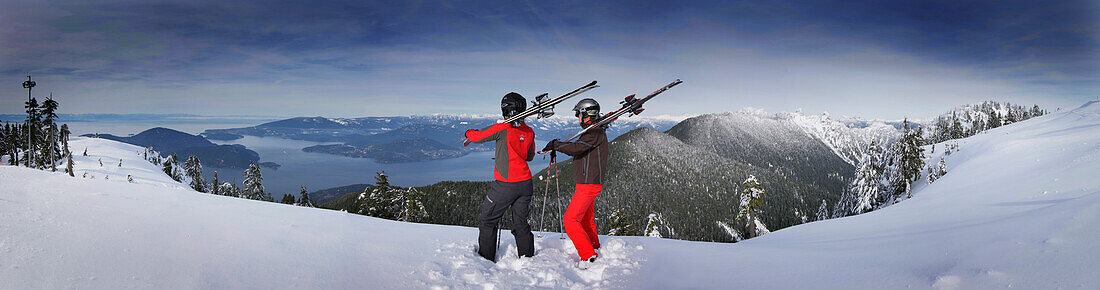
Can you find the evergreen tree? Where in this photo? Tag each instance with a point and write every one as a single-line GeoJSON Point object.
{"type": "Point", "coordinates": [230, 189]}
{"type": "Point", "coordinates": [303, 199]}
{"type": "Point", "coordinates": [215, 187]}
{"type": "Point", "coordinates": [376, 201]}
{"type": "Point", "coordinates": [654, 226]}
{"type": "Point", "coordinates": [193, 169]}
{"type": "Point", "coordinates": [253, 189]}
{"type": "Point", "coordinates": [995, 120]}
{"type": "Point", "coordinates": [1035, 111]}
{"type": "Point", "coordinates": [409, 207]}
{"type": "Point", "coordinates": [750, 207]}
{"type": "Point", "coordinates": [956, 128]}
{"type": "Point", "coordinates": [170, 167]}
{"type": "Point", "coordinates": [32, 123]}
{"type": "Point", "coordinates": [50, 150]}
{"type": "Point", "coordinates": [288, 199]}
{"type": "Point", "coordinates": [4, 131]}
{"type": "Point", "coordinates": [823, 211]}
{"type": "Point", "coordinates": [16, 139]}
{"type": "Point", "coordinates": [910, 156]}
{"type": "Point", "coordinates": [866, 186]}
{"type": "Point", "coordinates": [938, 170]}
{"type": "Point", "coordinates": [65, 147]}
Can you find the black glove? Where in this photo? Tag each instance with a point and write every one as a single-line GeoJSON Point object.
{"type": "Point", "coordinates": [551, 146]}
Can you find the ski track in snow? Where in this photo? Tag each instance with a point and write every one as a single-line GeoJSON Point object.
{"type": "Point", "coordinates": [458, 266]}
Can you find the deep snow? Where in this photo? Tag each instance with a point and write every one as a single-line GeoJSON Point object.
{"type": "Point", "coordinates": [1019, 207]}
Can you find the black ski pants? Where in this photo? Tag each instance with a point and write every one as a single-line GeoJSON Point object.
{"type": "Point", "coordinates": [501, 196]}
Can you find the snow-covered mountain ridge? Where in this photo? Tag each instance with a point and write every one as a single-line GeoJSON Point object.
{"type": "Point", "coordinates": [1018, 208]}
{"type": "Point", "coordinates": [848, 137]}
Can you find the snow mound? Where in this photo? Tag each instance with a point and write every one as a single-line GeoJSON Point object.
{"type": "Point", "coordinates": [457, 265]}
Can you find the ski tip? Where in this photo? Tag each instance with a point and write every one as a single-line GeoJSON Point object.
{"type": "Point", "coordinates": [593, 83]}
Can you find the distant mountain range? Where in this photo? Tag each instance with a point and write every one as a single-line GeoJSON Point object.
{"type": "Point", "coordinates": [168, 141]}
{"type": "Point", "coordinates": [411, 138]}
{"type": "Point", "coordinates": [141, 117]}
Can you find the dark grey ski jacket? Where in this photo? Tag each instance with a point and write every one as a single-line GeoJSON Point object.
{"type": "Point", "coordinates": [590, 153]}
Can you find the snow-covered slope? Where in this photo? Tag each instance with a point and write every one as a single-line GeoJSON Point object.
{"type": "Point", "coordinates": [1019, 207]}
{"type": "Point", "coordinates": [110, 153]}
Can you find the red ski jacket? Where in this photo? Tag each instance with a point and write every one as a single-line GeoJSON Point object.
{"type": "Point", "coordinates": [515, 146]}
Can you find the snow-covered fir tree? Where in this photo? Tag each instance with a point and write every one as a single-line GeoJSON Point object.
{"type": "Point", "coordinates": [408, 206]}
{"type": "Point", "coordinates": [3, 141]}
{"type": "Point", "coordinates": [171, 167]}
{"type": "Point", "coordinates": [936, 171]}
{"type": "Point", "coordinates": [193, 168]}
{"type": "Point", "coordinates": [32, 131]}
{"type": "Point", "coordinates": [49, 149]}
{"type": "Point", "coordinates": [390, 202]}
{"type": "Point", "coordinates": [375, 200]}
{"type": "Point", "coordinates": [749, 208]}
{"type": "Point", "coordinates": [253, 187]}
{"type": "Point", "coordinates": [215, 187]}
{"type": "Point", "coordinates": [230, 189]}
{"type": "Point", "coordinates": [657, 227]}
{"type": "Point", "coordinates": [64, 134]}
{"type": "Point", "coordinates": [10, 143]}
{"type": "Point", "coordinates": [909, 162]}
{"type": "Point", "coordinates": [303, 198]}
{"type": "Point", "coordinates": [823, 211]}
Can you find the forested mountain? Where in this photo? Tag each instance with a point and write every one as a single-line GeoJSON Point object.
{"type": "Point", "coordinates": [168, 141]}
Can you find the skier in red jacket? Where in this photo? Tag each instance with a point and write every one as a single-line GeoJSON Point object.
{"type": "Point", "coordinates": [515, 146]}
{"type": "Point", "coordinates": [590, 153]}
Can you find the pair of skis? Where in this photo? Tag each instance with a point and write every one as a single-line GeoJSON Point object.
{"type": "Point", "coordinates": [631, 105]}
{"type": "Point", "coordinates": [542, 107]}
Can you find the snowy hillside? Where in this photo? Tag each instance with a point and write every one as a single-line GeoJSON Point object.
{"type": "Point", "coordinates": [110, 153]}
{"type": "Point", "coordinates": [1019, 207]}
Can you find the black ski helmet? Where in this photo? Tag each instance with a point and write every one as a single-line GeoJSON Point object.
{"type": "Point", "coordinates": [512, 104]}
{"type": "Point", "coordinates": [587, 107]}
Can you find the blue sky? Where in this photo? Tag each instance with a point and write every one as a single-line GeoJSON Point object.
{"type": "Point", "coordinates": [874, 59]}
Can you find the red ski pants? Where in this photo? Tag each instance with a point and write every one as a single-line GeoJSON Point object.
{"type": "Point", "coordinates": [580, 223]}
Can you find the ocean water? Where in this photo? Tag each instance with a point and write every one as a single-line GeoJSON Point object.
{"type": "Point", "coordinates": [318, 171]}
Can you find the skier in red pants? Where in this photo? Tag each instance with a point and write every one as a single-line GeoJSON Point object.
{"type": "Point", "coordinates": [590, 153]}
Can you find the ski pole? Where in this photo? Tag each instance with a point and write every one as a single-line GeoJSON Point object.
{"type": "Point", "coordinates": [545, 195]}
{"type": "Point", "coordinates": [561, 216]}
{"type": "Point", "coordinates": [497, 247]}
